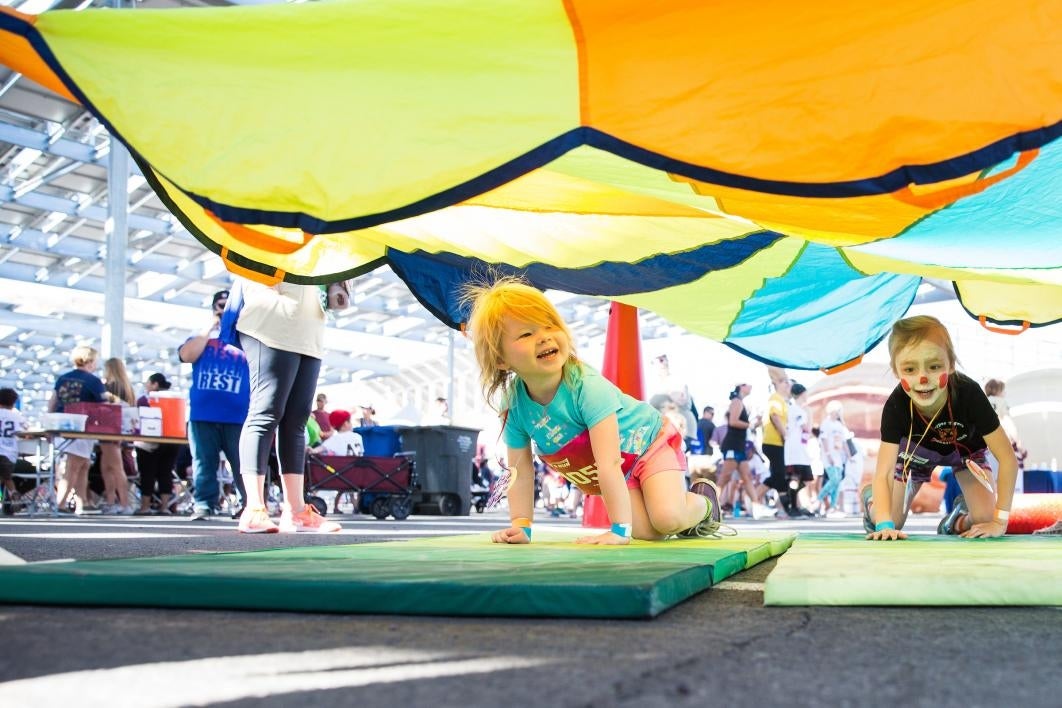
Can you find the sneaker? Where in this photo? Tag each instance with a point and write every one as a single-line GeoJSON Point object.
{"type": "Point", "coordinates": [762, 511]}
{"type": "Point", "coordinates": [946, 527]}
{"type": "Point", "coordinates": [306, 521]}
{"type": "Point", "coordinates": [199, 514]}
{"type": "Point", "coordinates": [1053, 530]}
{"type": "Point", "coordinates": [257, 520]}
{"type": "Point", "coordinates": [865, 497]}
{"type": "Point", "coordinates": [711, 524]}
{"type": "Point", "coordinates": [123, 510]}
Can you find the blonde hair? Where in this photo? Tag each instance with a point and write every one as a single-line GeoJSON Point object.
{"type": "Point", "coordinates": [490, 301]}
{"type": "Point", "coordinates": [913, 330]}
{"type": "Point", "coordinates": [835, 409]}
{"type": "Point", "coordinates": [83, 354]}
{"type": "Point", "coordinates": [117, 379]}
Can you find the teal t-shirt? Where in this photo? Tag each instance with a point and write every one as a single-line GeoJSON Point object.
{"type": "Point", "coordinates": [574, 410]}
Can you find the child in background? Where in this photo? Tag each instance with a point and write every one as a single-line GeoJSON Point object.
{"type": "Point", "coordinates": [797, 460]}
{"type": "Point", "coordinates": [853, 479]}
{"type": "Point", "coordinates": [344, 442]}
{"type": "Point", "coordinates": [11, 422]}
{"type": "Point", "coordinates": [936, 417]}
{"type": "Point", "coordinates": [994, 389]}
{"type": "Point", "coordinates": [602, 440]}
{"type": "Point", "coordinates": [554, 492]}
{"type": "Point", "coordinates": [832, 436]}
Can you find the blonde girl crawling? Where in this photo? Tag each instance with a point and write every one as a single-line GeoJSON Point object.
{"type": "Point", "coordinates": [602, 440]}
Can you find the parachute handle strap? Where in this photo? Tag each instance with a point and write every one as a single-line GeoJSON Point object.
{"type": "Point", "coordinates": [263, 278]}
{"type": "Point", "coordinates": [1003, 330]}
{"type": "Point", "coordinates": [950, 195]}
{"type": "Point", "coordinates": [829, 370]}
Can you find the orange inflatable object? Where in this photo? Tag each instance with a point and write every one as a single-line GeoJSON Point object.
{"type": "Point", "coordinates": [1031, 512]}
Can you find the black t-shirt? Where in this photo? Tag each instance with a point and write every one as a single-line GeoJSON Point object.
{"type": "Point", "coordinates": [958, 430]}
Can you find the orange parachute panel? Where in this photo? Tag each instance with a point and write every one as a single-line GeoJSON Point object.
{"type": "Point", "coordinates": [20, 56]}
{"type": "Point", "coordinates": [895, 86]}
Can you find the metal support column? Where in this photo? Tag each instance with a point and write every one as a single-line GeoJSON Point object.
{"type": "Point", "coordinates": [112, 342]}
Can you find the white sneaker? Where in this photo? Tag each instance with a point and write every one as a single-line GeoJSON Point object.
{"type": "Point", "coordinates": [762, 511]}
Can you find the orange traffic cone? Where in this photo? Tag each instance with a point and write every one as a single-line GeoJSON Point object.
{"type": "Point", "coordinates": [623, 367]}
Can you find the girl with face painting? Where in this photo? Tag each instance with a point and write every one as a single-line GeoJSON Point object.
{"type": "Point", "coordinates": [937, 417]}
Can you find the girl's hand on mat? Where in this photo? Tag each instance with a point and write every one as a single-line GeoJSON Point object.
{"type": "Point", "coordinates": [604, 539]}
{"type": "Point", "coordinates": [986, 530]}
{"type": "Point", "coordinates": [887, 535]}
{"type": "Point", "coordinates": [510, 535]}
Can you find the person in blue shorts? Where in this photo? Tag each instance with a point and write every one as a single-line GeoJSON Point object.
{"type": "Point", "coordinates": [735, 459]}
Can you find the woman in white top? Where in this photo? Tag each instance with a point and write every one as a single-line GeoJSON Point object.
{"type": "Point", "coordinates": [281, 330]}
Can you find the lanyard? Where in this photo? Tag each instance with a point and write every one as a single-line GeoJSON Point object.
{"type": "Point", "coordinates": [904, 473]}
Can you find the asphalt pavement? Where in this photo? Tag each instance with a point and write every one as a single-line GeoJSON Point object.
{"type": "Point", "coordinates": [721, 647]}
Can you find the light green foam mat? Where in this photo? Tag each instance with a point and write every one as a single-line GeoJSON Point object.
{"type": "Point", "coordinates": [846, 569]}
{"type": "Point", "coordinates": [455, 575]}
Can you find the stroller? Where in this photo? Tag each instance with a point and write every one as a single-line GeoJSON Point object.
{"type": "Point", "coordinates": [383, 485]}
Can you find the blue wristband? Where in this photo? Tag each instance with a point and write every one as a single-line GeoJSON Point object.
{"type": "Point", "coordinates": [882, 525]}
{"type": "Point", "coordinates": [623, 530]}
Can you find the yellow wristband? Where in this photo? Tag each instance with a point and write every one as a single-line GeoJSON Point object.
{"type": "Point", "coordinates": [523, 523]}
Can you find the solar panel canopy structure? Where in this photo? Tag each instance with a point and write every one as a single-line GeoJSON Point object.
{"type": "Point", "coordinates": [780, 182]}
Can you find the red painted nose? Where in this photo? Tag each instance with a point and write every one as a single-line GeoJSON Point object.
{"type": "Point", "coordinates": [924, 380]}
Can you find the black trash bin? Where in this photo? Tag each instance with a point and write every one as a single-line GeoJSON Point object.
{"type": "Point", "coordinates": [443, 459]}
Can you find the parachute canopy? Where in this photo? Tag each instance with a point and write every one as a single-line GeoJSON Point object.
{"type": "Point", "coordinates": [777, 177]}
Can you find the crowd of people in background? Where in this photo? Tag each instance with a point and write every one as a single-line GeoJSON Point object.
{"type": "Point", "coordinates": [249, 419]}
{"type": "Point", "coordinates": [253, 415]}
{"type": "Point", "coordinates": [779, 464]}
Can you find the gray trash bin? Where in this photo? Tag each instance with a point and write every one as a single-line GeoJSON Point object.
{"type": "Point", "coordinates": [443, 459]}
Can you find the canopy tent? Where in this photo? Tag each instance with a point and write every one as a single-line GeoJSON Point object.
{"type": "Point", "coordinates": [777, 179]}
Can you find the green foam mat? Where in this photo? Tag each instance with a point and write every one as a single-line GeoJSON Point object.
{"type": "Point", "coordinates": [455, 575]}
{"type": "Point", "coordinates": [846, 569]}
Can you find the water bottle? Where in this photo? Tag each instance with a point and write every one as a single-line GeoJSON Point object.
{"type": "Point", "coordinates": [737, 510]}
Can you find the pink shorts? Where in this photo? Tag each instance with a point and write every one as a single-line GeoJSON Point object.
{"type": "Point", "coordinates": [665, 453]}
